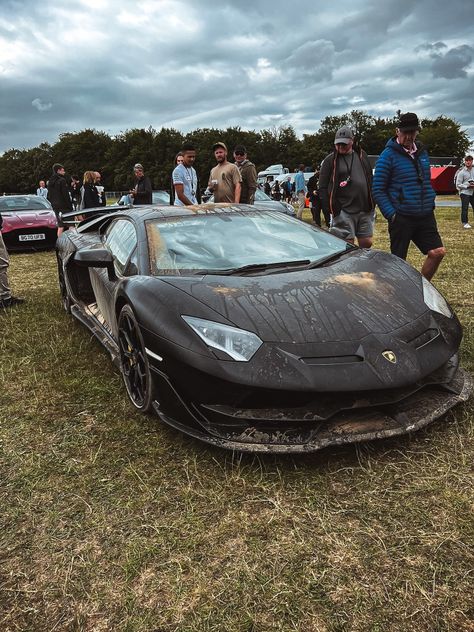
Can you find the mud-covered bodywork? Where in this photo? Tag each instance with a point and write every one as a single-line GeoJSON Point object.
{"type": "Point", "coordinates": [289, 354]}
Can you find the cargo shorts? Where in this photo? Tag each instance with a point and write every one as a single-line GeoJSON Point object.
{"type": "Point", "coordinates": [358, 224]}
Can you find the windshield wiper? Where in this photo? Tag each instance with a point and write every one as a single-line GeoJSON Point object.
{"type": "Point", "coordinates": [263, 267]}
{"type": "Point", "coordinates": [336, 255]}
{"type": "Point", "coordinates": [254, 267]}
{"type": "Point", "coordinates": [278, 266]}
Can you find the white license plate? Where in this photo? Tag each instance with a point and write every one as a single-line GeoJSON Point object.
{"type": "Point", "coordinates": [35, 237]}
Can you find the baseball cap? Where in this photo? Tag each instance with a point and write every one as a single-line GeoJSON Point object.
{"type": "Point", "coordinates": [408, 122]}
{"type": "Point", "coordinates": [240, 149]}
{"type": "Point", "coordinates": [219, 144]}
{"type": "Point", "coordinates": [138, 166]}
{"type": "Point", "coordinates": [344, 135]}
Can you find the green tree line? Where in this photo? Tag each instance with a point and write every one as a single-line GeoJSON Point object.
{"type": "Point", "coordinates": [114, 156]}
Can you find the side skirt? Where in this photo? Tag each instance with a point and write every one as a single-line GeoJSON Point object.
{"type": "Point", "coordinates": [88, 316]}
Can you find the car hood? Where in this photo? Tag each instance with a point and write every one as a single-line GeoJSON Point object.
{"type": "Point", "coordinates": [363, 293]}
{"type": "Point", "coordinates": [26, 219]}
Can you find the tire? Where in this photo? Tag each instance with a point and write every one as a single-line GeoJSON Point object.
{"type": "Point", "coordinates": [134, 362]}
{"type": "Point", "coordinates": [65, 298]}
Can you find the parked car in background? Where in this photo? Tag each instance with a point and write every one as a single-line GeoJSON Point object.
{"type": "Point", "coordinates": [29, 222]}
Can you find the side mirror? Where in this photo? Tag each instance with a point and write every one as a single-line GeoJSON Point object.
{"type": "Point", "coordinates": [342, 233]}
{"type": "Point", "coordinates": [96, 258]}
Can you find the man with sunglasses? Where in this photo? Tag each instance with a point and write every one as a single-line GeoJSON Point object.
{"type": "Point", "coordinates": [248, 174]}
{"type": "Point", "coordinates": [402, 189]}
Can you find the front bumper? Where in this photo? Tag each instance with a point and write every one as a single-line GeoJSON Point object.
{"type": "Point", "coordinates": [13, 243]}
{"type": "Point", "coordinates": [310, 427]}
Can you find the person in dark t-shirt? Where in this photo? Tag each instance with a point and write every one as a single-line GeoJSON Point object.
{"type": "Point", "coordinates": [345, 184]}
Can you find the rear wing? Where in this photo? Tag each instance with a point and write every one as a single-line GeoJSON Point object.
{"type": "Point", "coordinates": [75, 218]}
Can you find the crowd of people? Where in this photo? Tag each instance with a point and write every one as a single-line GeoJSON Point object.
{"type": "Point", "coordinates": [344, 190]}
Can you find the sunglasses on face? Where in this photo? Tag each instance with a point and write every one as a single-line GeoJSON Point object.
{"type": "Point", "coordinates": [239, 153]}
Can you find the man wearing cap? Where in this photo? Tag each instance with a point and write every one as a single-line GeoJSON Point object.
{"type": "Point", "coordinates": [248, 174]}
{"type": "Point", "coordinates": [345, 183]}
{"type": "Point", "coordinates": [142, 193]}
{"type": "Point", "coordinates": [402, 189]}
{"type": "Point", "coordinates": [58, 194]}
{"type": "Point", "coordinates": [225, 179]}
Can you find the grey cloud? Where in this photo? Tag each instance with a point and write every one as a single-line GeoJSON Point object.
{"type": "Point", "coordinates": [41, 106]}
{"type": "Point", "coordinates": [313, 59]}
{"type": "Point", "coordinates": [454, 63]}
{"type": "Point", "coordinates": [427, 46]}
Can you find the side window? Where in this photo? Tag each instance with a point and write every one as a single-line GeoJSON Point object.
{"type": "Point", "coordinates": [121, 240]}
{"type": "Point", "coordinates": [132, 266]}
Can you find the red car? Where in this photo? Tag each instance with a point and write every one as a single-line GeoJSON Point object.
{"type": "Point", "coordinates": [29, 222]}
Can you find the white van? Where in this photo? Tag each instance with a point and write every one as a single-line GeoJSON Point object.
{"type": "Point", "coordinates": [271, 173]}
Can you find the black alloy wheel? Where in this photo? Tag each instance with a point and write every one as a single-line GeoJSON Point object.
{"type": "Point", "coordinates": [134, 362]}
{"type": "Point", "coordinates": [65, 298]}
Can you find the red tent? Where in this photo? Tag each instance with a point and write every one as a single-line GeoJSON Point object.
{"type": "Point", "coordinates": [442, 179]}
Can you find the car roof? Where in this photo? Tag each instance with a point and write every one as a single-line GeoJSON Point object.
{"type": "Point", "coordinates": [160, 212]}
{"type": "Point", "coordinates": [157, 211]}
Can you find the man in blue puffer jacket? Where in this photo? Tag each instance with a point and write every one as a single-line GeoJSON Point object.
{"type": "Point", "coordinates": [402, 189]}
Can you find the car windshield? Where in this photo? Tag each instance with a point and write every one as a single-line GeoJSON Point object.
{"type": "Point", "coordinates": [228, 242]}
{"type": "Point", "coordinates": [23, 203]}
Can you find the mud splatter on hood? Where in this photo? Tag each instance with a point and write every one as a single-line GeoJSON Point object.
{"type": "Point", "coordinates": [362, 294]}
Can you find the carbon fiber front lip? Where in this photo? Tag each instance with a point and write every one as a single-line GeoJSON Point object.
{"type": "Point", "coordinates": [414, 413]}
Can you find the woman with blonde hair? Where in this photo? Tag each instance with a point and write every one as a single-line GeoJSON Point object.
{"type": "Point", "coordinates": [90, 195]}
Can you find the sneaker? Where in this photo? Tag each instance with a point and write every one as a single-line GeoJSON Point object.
{"type": "Point", "coordinates": [11, 301]}
{"type": "Point", "coordinates": [467, 226]}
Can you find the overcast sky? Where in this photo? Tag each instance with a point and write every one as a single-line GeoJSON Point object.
{"type": "Point", "coordinates": [114, 65]}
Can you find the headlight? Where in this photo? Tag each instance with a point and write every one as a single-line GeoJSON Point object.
{"type": "Point", "coordinates": [434, 300]}
{"type": "Point", "coordinates": [239, 344]}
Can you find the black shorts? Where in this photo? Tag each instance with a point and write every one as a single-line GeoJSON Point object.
{"type": "Point", "coordinates": [422, 231]}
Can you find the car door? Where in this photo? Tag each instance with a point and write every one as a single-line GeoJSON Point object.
{"type": "Point", "coordinates": [120, 239]}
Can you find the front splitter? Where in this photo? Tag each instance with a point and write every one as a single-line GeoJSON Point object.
{"type": "Point", "coordinates": [349, 426]}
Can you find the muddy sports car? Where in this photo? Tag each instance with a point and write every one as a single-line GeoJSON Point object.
{"type": "Point", "coordinates": [254, 331]}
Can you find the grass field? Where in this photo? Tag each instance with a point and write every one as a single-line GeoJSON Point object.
{"type": "Point", "coordinates": [111, 521]}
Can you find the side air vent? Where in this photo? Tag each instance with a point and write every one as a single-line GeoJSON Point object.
{"type": "Point", "coordinates": [425, 338]}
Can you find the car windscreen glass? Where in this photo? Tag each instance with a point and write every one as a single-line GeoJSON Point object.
{"type": "Point", "coordinates": [18, 204]}
{"type": "Point", "coordinates": [229, 241]}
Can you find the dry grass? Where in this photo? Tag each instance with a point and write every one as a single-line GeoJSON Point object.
{"type": "Point", "coordinates": [111, 521]}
